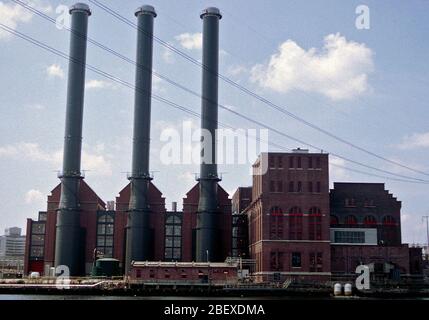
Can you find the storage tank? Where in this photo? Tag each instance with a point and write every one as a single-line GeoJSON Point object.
{"type": "Point", "coordinates": [106, 267]}
{"type": "Point", "coordinates": [348, 289]}
{"type": "Point", "coordinates": [338, 289]}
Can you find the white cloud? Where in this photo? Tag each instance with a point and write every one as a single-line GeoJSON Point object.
{"type": "Point", "coordinates": [34, 196]}
{"type": "Point", "coordinates": [98, 84]}
{"type": "Point", "coordinates": [414, 141]}
{"type": "Point", "coordinates": [12, 15]}
{"type": "Point", "coordinates": [94, 159]}
{"type": "Point", "coordinates": [167, 55]}
{"type": "Point", "coordinates": [336, 170]}
{"type": "Point", "coordinates": [339, 70]}
{"type": "Point", "coordinates": [55, 70]}
{"type": "Point", "coordinates": [190, 40]}
{"type": "Point", "coordinates": [237, 70]}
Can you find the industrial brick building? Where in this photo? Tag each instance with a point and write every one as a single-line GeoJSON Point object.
{"type": "Point", "coordinates": [287, 222]}
{"type": "Point", "coordinates": [289, 216]}
{"type": "Point", "coordinates": [366, 229]}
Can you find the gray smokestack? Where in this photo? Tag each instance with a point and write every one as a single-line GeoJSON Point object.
{"type": "Point", "coordinates": [68, 240]}
{"type": "Point", "coordinates": [139, 243]}
{"type": "Point", "coordinates": [207, 234]}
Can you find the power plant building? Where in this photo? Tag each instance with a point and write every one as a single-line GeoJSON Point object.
{"type": "Point", "coordinates": [288, 222]}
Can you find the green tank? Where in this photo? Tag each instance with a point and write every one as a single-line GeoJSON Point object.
{"type": "Point", "coordinates": [106, 267]}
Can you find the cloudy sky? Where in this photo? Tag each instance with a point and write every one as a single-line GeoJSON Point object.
{"type": "Point", "coordinates": [368, 86]}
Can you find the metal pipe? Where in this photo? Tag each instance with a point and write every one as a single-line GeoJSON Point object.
{"type": "Point", "coordinates": [68, 232]}
{"type": "Point", "coordinates": [207, 233]}
{"type": "Point", "coordinates": [139, 241]}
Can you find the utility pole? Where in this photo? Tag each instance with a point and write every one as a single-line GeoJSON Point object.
{"type": "Point", "coordinates": [427, 233]}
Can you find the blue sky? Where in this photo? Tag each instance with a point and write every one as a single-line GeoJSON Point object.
{"type": "Point", "coordinates": [366, 86]}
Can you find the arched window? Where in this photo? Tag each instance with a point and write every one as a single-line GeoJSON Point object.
{"type": "Point", "coordinates": [315, 224]}
{"type": "Point", "coordinates": [334, 221]}
{"type": "Point", "coordinates": [276, 223]}
{"type": "Point", "coordinates": [295, 223]}
{"type": "Point", "coordinates": [350, 220]}
{"type": "Point", "coordinates": [389, 221]}
{"type": "Point", "coordinates": [369, 221]}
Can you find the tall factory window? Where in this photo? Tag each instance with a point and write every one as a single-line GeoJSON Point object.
{"type": "Point", "coordinates": [239, 234]}
{"type": "Point", "coordinates": [310, 186]}
{"type": "Point", "coordinates": [369, 221]}
{"type": "Point", "coordinates": [315, 224]}
{"type": "Point", "coordinates": [351, 220]}
{"type": "Point", "coordinates": [310, 162]}
{"type": "Point", "coordinates": [37, 243]}
{"type": "Point", "coordinates": [272, 186]}
{"type": "Point", "coordinates": [105, 226]}
{"type": "Point", "coordinates": [291, 162]}
{"type": "Point", "coordinates": [316, 262]}
{"type": "Point", "coordinates": [280, 162]}
{"type": "Point", "coordinates": [173, 237]}
{"type": "Point", "coordinates": [299, 189]}
{"type": "Point", "coordinates": [318, 166]}
{"type": "Point", "coordinates": [296, 259]}
{"type": "Point", "coordinates": [299, 165]}
{"type": "Point", "coordinates": [279, 186]}
{"type": "Point", "coordinates": [318, 187]}
{"type": "Point", "coordinates": [272, 163]}
{"type": "Point", "coordinates": [295, 223]}
{"type": "Point", "coordinates": [276, 223]}
{"type": "Point", "coordinates": [291, 186]}
{"type": "Point", "coordinates": [276, 261]}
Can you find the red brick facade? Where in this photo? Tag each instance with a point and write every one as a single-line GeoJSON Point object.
{"type": "Point", "coordinates": [189, 272]}
{"type": "Point", "coordinates": [345, 258]}
{"type": "Point", "coordinates": [90, 204]}
{"type": "Point", "coordinates": [289, 216]}
{"type": "Point", "coordinates": [157, 206]}
{"type": "Point", "coordinates": [190, 207]}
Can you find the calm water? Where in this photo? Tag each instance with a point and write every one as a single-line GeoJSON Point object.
{"type": "Point", "coordinates": [88, 297]}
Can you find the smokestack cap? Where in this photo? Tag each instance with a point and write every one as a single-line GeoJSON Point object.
{"type": "Point", "coordinates": [145, 9]}
{"type": "Point", "coordinates": [211, 11]}
{"type": "Point", "coordinates": [82, 7]}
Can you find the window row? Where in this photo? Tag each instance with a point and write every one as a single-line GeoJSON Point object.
{"type": "Point", "coordinates": [296, 186]}
{"type": "Point", "coordinates": [368, 220]}
{"type": "Point", "coordinates": [350, 202]}
{"type": "Point", "coordinates": [295, 222]}
{"type": "Point", "coordinates": [315, 261]}
{"type": "Point", "coordinates": [310, 162]}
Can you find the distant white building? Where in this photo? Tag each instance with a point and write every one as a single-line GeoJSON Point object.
{"type": "Point", "coordinates": [12, 244]}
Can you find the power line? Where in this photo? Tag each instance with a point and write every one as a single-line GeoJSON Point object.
{"type": "Point", "coordinates": [172, 82]}
{"type": "Point", "coordinates": [220, 105]}
{"type": "Point", "coordinates": [251, 93]}
{"type": "Point", "coordinates": [177, 106]}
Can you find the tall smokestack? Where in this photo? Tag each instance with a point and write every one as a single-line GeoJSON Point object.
{"type": "Point", "coordinates": [139, 243]}
{"type": "Point", "coordinates": [68, 241]}
{"type": "Point", "coordinates": [207, 234]}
